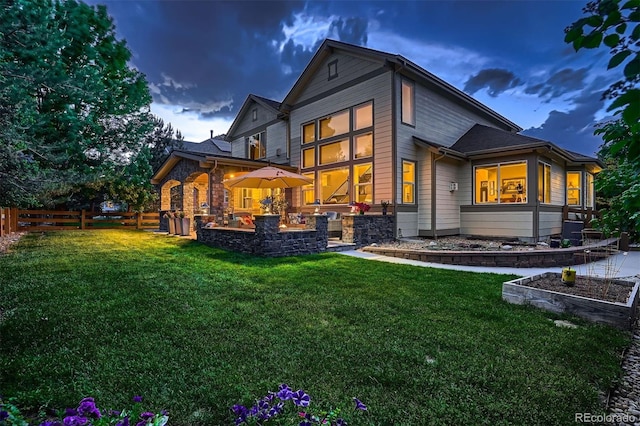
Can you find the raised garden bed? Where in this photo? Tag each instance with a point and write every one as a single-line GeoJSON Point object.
{"type": "Point", "coordinates": [605, 301]}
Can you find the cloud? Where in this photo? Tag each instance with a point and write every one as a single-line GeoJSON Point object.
{"type": "Point", "coordinates": [573, 129]}
{"type": "Point", "coordinates": [496, 80]}
{"type": "Point", "coordinates": [560, 83]}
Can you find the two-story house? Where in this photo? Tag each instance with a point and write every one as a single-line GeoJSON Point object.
{"type": "Point", "coordinates": [369, 126]}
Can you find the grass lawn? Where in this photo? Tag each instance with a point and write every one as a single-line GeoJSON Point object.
{"type": "Point", "coordinates": [115, 313]}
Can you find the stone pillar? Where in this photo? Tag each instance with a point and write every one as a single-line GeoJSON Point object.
{"type": "Point", "coordinates": [267, 224]}
{"type": "Point", "coordinates": [216, 191]}
{"type": "Point", "coordinates": [321, 224]}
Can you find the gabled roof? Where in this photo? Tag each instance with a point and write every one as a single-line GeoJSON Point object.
{"type": "Point", "coordinates": [209, 146]}
{"type": "Point", "coordinates": [400, 64]}
{"type": "Point", "coordinates": [269, 104]}
{"type": "Point", "coordinates": [483, 140]}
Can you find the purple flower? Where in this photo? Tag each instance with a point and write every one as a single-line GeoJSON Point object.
{"type": "Point", "coordinates": [164, 412]}
{"type": "Point", "coordinates": [4, 414]}
{"type": "Point", "coordinates": [123, 422]}
{"type": "Point", "coordinates": [75, 421]}
{"type": "Point", "coordinates": [70, 412]}
{"type": "Point", "coordinates": [49, 423]}
{"type": "Point", "coordinates": [87, 408]}
{"type": "Point", "coordinates": [239, 409]}
{"type": "Point", "coordinates": [147, 415]}
{"type": "Point", "coordinates": [300, 398]}
{"type": "Point", "coordinates": [341, 422]}
{"type": "Point", "coordinates": [137, 398]}
{"type": "Point", "coordinates": [305, 423]}
{"type": "Point", "coordinates": [359, 404]}
{"type": "Point", "coordinates": [284, 393]}
{"type": "Point", "coordinates": [115, 413]}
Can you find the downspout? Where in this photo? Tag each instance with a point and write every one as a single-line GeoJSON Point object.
{"type": "Point", "coordinates": [394, 148]}
{"type": "Point", "coordinates": [434, 160]}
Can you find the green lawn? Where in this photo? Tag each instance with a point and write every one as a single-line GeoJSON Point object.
{"type": "Point", "coordinates": [115, 313]}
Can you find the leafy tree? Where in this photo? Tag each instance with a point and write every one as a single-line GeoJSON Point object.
{"type": "Point", "coordinates": [616, 24]}
{"type": "Point", "coordinates": [73, 111]}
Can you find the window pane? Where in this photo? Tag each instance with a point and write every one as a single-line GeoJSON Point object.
{"type": "Point", "coordinates": [407, 103]}
{"type": "Point", "coordinates": [364, 146]}
{"type": "Point", "coordinates": [334, 187]}
{"type": "Point", "coordinates": [574, 186]}
{"type": "Point", "coordinates": [408, 182]}
{"type": "Point", "coordinates": [334, 152]}
{"type": "Point", "coordinates": [588, 191]}
{"type": "Point", "coordinates": [308, 158]}
{"type": "Point", "coordinates": [544, 183]}
{"type": "Point", "coordinates": [335, 125]}
{"type": "Point", "coordinates": [486, 184]}
{"type": "Point", "coordinates": [363, 116]}
{"type": "Point", "coordinates": [513, 183]}
{"type": "Point", "coordinates": [363, 183]}
{"type": "Point", "coordinates": [308, 191]}
{"type": "Point", "coordinates": [257, 147]}
{"type": "Point", "coordinates": [308, 133]}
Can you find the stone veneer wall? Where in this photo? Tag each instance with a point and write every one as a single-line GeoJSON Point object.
{"type": "Point", "coordinates": [517, 259]}
{"type": "Point", "coordinates": [267, 239]}
{"type": "Point", "coordinates": [363, 230]}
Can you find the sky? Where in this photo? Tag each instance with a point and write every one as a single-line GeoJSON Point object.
{"type": "Point", "coordinates": [203, 58]}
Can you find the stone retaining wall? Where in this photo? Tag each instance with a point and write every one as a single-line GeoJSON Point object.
{"type": "Point", "coordinates": [516, 259]}
{"type": "Point", "coordinates": [363, 230]}
{"type": "Point", "coordinates": [267, 239]}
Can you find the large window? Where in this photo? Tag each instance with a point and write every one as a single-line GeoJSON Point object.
{"type": "Point", "coordinates": [363, 116]}
{"type": "Point", "coordinates": [332, 148]}
{"type": "Point", "coordinates": [574, 188]}
{"type": "Point", "coordinates": [335, 152]}
{"type": "Point", "coordinates": [334, 125]}
{"type": "Point", "coordinates": [544, 183]}
{"type": "Point", "coordinates": [308, 158]}
{"type": "Point", "coordinates": [408, 182]}
{"type": "Point", "coordinates": [501, 183]}
{"type": "Point", "coordinates": [408, 103]}
{"type": "Point", "coordinates": [363, 183]}
{"type": "Point", "coordinates": [309, 133]}
{"type": "Point", "coordinates": [308, 191]}
{"type": "Point", "coordinates": [334, 186]}
{"type": "Point", "coordinates": [363, 145]}
{"type": "Point", "coordinates": [257, 148]}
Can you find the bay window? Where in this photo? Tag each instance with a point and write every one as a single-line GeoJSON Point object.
{"type": "Point", "coordinates": [544, 182]}
{"type": "Point", "coordinates": [501, 183]}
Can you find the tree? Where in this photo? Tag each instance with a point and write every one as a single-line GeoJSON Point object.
{"type": "Point", "coordinates": [161, 141]}
{"type": "Point", "coordinates": [73, 111]}
{"type": "Point", "coordinates": [616, 24]}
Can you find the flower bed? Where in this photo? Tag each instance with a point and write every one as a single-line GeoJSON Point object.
{"type": "Point", "coordinates": [601, 300]}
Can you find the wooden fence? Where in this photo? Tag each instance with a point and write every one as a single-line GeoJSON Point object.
{"type": "Point", "coordinates": [14, 220]}
{"type": "Point", "coordinates": [586, 215]}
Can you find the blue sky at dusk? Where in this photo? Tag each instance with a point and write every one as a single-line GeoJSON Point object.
{"type": "Point", "coordinates": [202, 58]}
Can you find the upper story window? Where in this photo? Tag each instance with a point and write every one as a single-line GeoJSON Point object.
{"type": "Point", "coordinates": [574, 188]}
{"type": "Point", "coordinates": [334, 125]}
{"type": "Point", "coordinates": [408, 103]}
{"type": "Point", "coordinates": [257, 147]}
{"type": "Point", "coordinates": [363, 116]}
{"type": "Point", "coordinates": [333, 69]}
{"type": "Point", "coordinates": [408, 182]}
{"type": "Point", "coordinates": [309, 133]}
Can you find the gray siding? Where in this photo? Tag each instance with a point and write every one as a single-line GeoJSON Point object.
{"type": "Point", "coordinates": [349, 68]}
{"type": "Point", "coordinates": [277, 143]}
{"type": "Point", "coordinates": [423, 189]}
{"type": "Point", "coordinates": [497, 224]}
{"type": "Point", "coordinates": [447, 202]}
{"type": "Point", "coordinates": [550, 223]}
{"type": "Point", "coordinates": [558, 185]}
{"type": "Point", "coordinates": [239, 148]}
{"type": "Point", "coordinates": [247, 125]}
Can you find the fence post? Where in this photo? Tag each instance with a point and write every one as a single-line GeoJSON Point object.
{"type": "Point", "coordinates": [13, 220]}
{"type": "Point", "coordinates": [139, 222]}
{"type": "Point", "coordinates": [82, 220]}
{"type": "Point", "coordinates": [1, 222]}
{"type": "Point", "coordinates": [565, 212]}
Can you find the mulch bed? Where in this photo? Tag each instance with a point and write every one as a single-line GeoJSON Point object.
{"type": "Point", "coordinates": [595, 288]}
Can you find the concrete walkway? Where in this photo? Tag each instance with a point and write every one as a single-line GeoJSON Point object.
{"type": "Point", "coordinates": [621, 265]}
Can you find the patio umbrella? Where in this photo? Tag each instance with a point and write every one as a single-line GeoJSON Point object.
{"type": "Point", "coordinates": [268, 177]}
